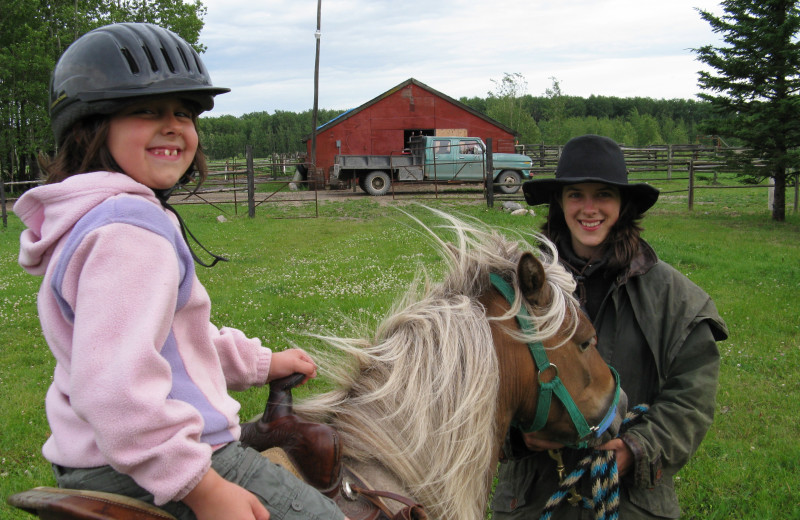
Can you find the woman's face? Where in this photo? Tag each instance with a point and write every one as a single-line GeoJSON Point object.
{"type": "Point", "coordinates": [591, 209]}
{"type": "Point", "coordinates": [154, 141]}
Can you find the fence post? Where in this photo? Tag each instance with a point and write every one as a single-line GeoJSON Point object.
{"type": "Point", "coordinates": [670, 156]}
{"type": "Point", "coordinates": [5, 213]}
{"type": "Point", "coordinates": [691, 185]}
{"type": "Point", "coordinates": [489, 172]}
{"type": "Point", "coordinates": [251, 186]}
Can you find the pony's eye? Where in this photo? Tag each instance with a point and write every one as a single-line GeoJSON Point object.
{"type": "Point", "coordinates": [586, 345]}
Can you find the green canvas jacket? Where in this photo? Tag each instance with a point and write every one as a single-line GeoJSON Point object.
{"type": "Point", "coordinates": [659, 330]}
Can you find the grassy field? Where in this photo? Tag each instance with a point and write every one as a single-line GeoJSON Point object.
{"type": "Point", "coordinates": [342, 271]}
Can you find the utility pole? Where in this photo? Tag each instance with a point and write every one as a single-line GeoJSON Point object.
{"type": "Point", "coordinates": [317, 35]}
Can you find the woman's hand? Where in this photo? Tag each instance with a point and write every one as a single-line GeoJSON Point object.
{"type": "Point", "coordinates": [623, 452]}
{"type": "Point", "coordinates": [214, 498]}
{"type": "Point", "coordinates": [288, 362]}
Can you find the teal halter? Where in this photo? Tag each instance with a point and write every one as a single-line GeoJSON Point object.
{"type": "Point", "coordinates": [555, 385]}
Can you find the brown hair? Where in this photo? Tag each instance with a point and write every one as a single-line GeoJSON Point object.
{"type": "Point", "coordinates": [84, 150]}
{"type": "Point", "coordinates": [622, 242]}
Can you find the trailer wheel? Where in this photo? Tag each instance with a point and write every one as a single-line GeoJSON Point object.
{"type": "Point", "coordinates": [377, 183]}
{"type": "Point", "coordinates": [508, 181]}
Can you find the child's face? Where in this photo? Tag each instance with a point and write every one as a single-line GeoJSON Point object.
{"type": "Point", "coordinates": [154, 141]}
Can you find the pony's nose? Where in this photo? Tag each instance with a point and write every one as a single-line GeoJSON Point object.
{"type": "Point", "coordinates": [622, 409]}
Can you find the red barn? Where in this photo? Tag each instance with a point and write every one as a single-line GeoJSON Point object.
{"type": "Point", "coordinates": [384, 124]}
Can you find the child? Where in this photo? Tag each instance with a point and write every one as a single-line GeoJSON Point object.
{"type": "Point", "coordinates": [139, 402]}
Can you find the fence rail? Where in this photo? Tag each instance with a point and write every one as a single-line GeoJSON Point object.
{"type": "Point", "coordinates": [670, 158]}
{"type": "Point", "coordinates": [271, 181]}
{"type": "Point", "coordinates": [683, 160]}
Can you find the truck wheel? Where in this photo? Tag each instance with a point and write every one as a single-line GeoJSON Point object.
{"type": "Point", "coordinates": [508, 181]}
{"type": "Point", "coordinates": [377, 183]}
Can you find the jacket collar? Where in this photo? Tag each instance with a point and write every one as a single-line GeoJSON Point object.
{"type": "Point", "coordinates": [644, 260]}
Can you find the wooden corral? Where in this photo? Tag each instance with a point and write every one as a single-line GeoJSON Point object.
{"type": "Point", "coordinates": [667, 159]}
{"type": "Point", "coordinates": [383, 125]}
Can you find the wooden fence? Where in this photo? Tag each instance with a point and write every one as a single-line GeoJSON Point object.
{"type": "Point", "coordinates": [230, 184]}
{"type": "Point", "coordinates": [667, 159]}
{"type": "Point", "coordinates": [675, 162]}
{"type": "Point", "coordinates": [254, 183]}
{"type": "Point", "coordinates": [271, 181]}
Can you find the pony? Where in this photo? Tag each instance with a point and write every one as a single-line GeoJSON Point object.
{"type": "Point", "coordinates": [423, 404]}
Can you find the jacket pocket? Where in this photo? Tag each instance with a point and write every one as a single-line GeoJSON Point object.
{"type": "Point", "coordinates": [660, 501]}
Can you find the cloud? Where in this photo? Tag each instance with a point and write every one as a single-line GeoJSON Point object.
{"type": "Point", "coordinates": [265, 51]}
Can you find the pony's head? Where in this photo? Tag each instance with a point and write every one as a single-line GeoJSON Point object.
{"type": "Point", "coordinates": [577, 397]}
{"type": "Point", "coordinates": [431, 393]}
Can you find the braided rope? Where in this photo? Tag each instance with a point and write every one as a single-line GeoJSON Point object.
{"type": "Point", "coordinates": [604, 478]}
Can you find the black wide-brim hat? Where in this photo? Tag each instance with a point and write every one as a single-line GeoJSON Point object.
{"type": "Point", "coordinates": [591, 158]}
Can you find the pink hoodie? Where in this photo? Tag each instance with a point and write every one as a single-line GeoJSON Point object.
{"type": "Point", "coordinates": [142, 375]}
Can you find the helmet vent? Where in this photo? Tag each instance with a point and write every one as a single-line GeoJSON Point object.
{"type": "Point", "coordinates": [131, 62]}
{"type": "Point", "coordinates": [170, 66]}
{"type": "Point", "coordinates": [183, 58]}
{"type": "Point", "coordinates": [153, 64]}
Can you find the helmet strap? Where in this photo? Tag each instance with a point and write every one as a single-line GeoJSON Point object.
{"type": "Point", "coordinates": [163, 196]}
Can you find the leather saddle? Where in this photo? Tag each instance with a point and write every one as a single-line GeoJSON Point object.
{"type": "Point", "coordinates": [314, 448]}
{"type": "Point", "coordinates": [311, 451]}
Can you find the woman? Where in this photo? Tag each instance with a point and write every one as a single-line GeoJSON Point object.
{"type": "Point", "coordinates": [657, 328]}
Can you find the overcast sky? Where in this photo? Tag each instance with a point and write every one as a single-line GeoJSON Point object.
{"type": "Point", "coordinates": [264, 50]}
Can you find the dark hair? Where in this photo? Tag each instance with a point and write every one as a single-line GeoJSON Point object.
{"type": "Point", "coordinates": [84, 150]}
{"type": "Point", "coordinates": [622, 242]}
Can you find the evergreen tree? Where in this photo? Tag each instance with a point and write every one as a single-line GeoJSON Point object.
{"type": "Point", "coordinates": [754, 91]}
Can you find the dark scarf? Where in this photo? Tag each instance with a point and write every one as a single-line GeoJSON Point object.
{"type": "Point", "coordinates": [593, 277]}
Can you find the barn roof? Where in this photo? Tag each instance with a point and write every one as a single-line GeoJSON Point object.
{"type": "Point", "coordinates": [410, 81]}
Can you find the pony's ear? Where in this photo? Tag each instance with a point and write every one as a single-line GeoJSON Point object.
{"type": "Point", "coordinates": [530, 273]}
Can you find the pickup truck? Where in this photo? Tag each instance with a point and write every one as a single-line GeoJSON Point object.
{"type": "Point", "coordinates": [433, 159]}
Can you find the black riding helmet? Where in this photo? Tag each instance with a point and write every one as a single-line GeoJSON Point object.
{"type": "Point", "coordinates": [112, 66]}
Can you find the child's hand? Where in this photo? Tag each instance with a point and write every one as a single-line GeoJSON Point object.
{"type": "Point", "coordinates": [214, 498]}
{"type": "Point", "coordinates": [288, 362]}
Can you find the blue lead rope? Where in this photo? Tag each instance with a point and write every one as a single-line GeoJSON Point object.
{"type": "Point", "coordinates": [603, 474]}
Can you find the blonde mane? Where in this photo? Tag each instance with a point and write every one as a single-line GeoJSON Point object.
{"type": "Point", "coordinates": [420, 396]}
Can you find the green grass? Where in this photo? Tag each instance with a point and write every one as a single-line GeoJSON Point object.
{"type": "Point", "coordinates": [342, 271]}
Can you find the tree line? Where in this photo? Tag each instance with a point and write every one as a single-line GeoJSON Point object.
{"type": "Point", "coordinates": [33, 34]}
{"type": "Point", "coordinates": [540, 119]}
{"type": "Point", "coordinates": [226, 137]}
